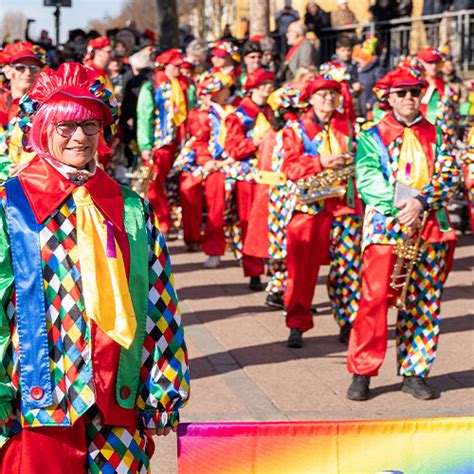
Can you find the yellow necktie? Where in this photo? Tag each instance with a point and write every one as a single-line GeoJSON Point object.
{"type": "Point", "coordinates": [179, 102]}
{"type": "Point", "coordinates": [261, 126]}
{"type": "Point", "coordinates": [105, 289]}
{"type": "Point", "coordinates": [412, 163]}
{"type": "Point", "coordinates": [329, 145]}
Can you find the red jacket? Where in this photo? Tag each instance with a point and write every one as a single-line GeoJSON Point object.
{"type": "Point", "coordinates": [8, 108]}
{"type": "Point", "coordinates": [238, 145]}
{"type": "Point", "coordinates": [298, 163]}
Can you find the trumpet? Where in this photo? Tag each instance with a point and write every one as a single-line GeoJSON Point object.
{"type": "Point", "coordinates": [408, 253]}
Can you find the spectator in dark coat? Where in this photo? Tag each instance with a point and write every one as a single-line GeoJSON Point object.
{"type": "Point", "coordinates": [318, 21]}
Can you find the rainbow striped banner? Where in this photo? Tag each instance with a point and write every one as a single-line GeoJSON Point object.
{"type": "Point", "coordinates": [425, 446]}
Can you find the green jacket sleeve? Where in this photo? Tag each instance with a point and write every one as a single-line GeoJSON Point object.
{"type": "Point", "coordinates": [372, 186]}
{"type": "Point", "coordinates": [6, 288]}
{"type": "Point", "coordinates": [145, 117]}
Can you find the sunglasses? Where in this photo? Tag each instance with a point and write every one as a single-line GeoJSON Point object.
{"type": "Point", "coordinates": [405, 92]}
{"type": "Point", "coordinates": [328, 94]}
{"type": "Point", "coordinates": [21, 68]}
{"type": "Point", "coordinates": [89, 127]}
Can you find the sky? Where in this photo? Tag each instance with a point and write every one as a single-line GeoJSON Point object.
{"type": "Point", "coordinates": [77, 16]}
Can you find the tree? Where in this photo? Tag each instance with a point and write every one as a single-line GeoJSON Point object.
{"type": "Point", "coordinates": [168, 24]}
{"type": "Point", "coordinates": [259, 17]}
{"type": "Point", "coordinates": [13, 25]}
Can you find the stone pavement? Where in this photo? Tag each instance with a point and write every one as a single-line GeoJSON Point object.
{"type": "Point", "coordinates": [241, 369]}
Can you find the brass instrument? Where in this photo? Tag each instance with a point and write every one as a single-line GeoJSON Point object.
{"type": "Point", "coordinates": [407, 252]}
{"type": "Point", "coordinates": [324, 185]}
{"type": "Point", "coordinates": [140, 178]}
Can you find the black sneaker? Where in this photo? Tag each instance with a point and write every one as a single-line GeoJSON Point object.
{"type": "Point", "coordinates": [296, 339]}
{"type": "Point", "coordinates": [275, 300]}
{"type": "Point", "coordinates": [417, 387]}
{"type": "Point", "coordinates": [255, 284]}
{"type": "Point", "coordinates": [344, 334]}
{"type": "Point", "coordinates": [359, 388]}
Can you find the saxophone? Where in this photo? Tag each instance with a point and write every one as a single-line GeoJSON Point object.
{"type": "Point", "coordinates": [327, 184]}
{"type": "Point", "coordinates": [407, 252]}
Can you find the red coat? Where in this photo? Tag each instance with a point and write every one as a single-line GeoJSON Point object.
{"type": "Point", "coordinates": [8, 108]}
{"type": "Point", "coordinates": [198, 126]}
{"type": "Point", "coordinates": [297, 163]}
{"type": "Point", "coordinates": [238, 146]}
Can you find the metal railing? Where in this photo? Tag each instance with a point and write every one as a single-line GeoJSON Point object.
{"type": "Point", "coordinates": [404, 36]}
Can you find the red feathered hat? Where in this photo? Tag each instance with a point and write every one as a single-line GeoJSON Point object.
{"type": "Point", "coordinates": [22, 50]}
{"type": "Point", "coordinates": [429, 55]}
{"type": "Point", "coordinates": [255, 78]}
{"type": "Point", "coordinates": [72, 80]}
{"type": "Point", "coordinates": [171, 56]}
{"type": "Point", "coordinates": [317, 84]}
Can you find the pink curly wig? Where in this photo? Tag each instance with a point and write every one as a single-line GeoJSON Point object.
{"type": "Point", "coordinates": [60, 108]}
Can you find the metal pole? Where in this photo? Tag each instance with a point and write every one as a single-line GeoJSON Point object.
{"type": "Point", "coordinates": [57, 14]}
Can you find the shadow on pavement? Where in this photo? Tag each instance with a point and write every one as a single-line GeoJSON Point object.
{"type": "Point", "coordinates": [197, 266]}
{"type": "Point", "coordinates": [440, 383]}
{"type": "Point", "coordinates": [271, 353]}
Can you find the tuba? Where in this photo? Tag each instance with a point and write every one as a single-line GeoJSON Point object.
{"type": "Point", "coordinates": [327, 184]}
{"type": "Point", "coordinates": [407, 252]}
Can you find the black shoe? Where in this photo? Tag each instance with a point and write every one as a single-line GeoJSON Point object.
{"type": "Point", "coordinates": [255, 284]}
{"type": "Point", "coordinates": [417, 387]}
{"type": "Point", "coordinates": [296, 339]}
{"type": "Point", "coordinates": [344, 334]}
{"type": "Point", "coordinates": [359, 388]}
{"type": "Point", "coordinates": [275, 300]}
{"type": "Point", "coordinates": [314, 310]}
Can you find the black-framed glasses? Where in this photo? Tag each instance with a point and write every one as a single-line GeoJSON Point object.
{"type": "Point", "coordinates": [404, 92]}
{"type": "Point", "coordinates": [21, 68]}
{"type": "Point", "coordinates": [89, 127]}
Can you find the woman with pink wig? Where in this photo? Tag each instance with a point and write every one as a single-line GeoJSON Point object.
{"type": "Point", "coordinates": [93, 358]}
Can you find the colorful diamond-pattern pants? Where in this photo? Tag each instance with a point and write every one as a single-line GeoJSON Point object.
{"type": "Point", "coordinates": [417, 328]}
{"type": "Point", "coordinates": [315, 240]}
{"type": "Point", "coordinates": [276, 269]}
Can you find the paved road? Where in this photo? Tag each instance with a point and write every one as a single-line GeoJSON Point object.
{"type": "Point", "coordinates": [241, 369]}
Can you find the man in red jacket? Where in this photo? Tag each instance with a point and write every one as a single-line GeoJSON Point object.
{"type": "Point", "coordinates": [327, 230]}
{"type": "Point", "coordinates": [246, 128]}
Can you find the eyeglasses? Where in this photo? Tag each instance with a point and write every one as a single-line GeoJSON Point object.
{"type": "Point", "coordinates": [21, 68]}
{"type": "Point", "coordinates": [328, 94]}
{"type": "Point", "coordinates": [68, 129]}
{"type": "Point", "coordinates": [405, 92]}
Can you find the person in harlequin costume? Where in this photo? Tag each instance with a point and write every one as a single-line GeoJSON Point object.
{"type": "Point", "coordinates": [225, 58]}
{"type": "Point", "coordinates": [246, 127]}
{"type": "Point", "coordinates": [98, 56]}
{"type": "Point", "coordinates": [93, 356]}
{"type": "Point", "coordinates": [161, 128]}
{"type": "Point", "coordinates": [327, 230]}
{"type": "Point", "coordinates": [206, 128]}
{"type": "Point", "coordinates": [337, 71]}
{"type": "Point", "coordinates": [22, 62]}
{"type": "Point", "coordinates": [404, 151]}
{"type": "Point", "coordinates": [273, 202]}
{"type": "Point", "coordinates": [440, 102]}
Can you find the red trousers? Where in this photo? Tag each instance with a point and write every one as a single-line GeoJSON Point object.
{"type": "Point", "coordinates": [368, 340]}
{"type": "Point", "coordinates": [163, 159]}
{"type": "Point", "coordinates": [191, 199]}
{"type": "Point", "coordinates": [48, 450]}
{"type": "Point", "coordinates": [244, 191]}
{"type": "Point", "coordinates": [307, 249]}
{"type": "Point", "coordinates": [214, 238]}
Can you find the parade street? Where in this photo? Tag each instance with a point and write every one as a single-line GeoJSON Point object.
{"type": "Point", "coordinates": [241, 369]}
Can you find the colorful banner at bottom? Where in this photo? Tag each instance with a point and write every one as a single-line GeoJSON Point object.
{"type": "Point", "coordinates": [425, 446]}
